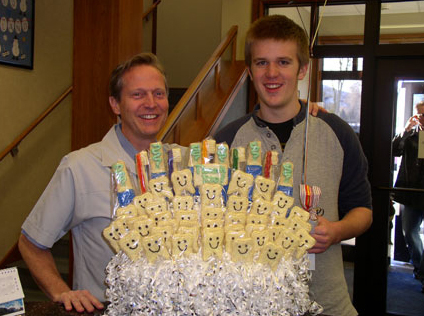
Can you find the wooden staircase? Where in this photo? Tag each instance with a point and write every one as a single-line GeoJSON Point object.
{"type": "Point", "coordinates": [207, 100]}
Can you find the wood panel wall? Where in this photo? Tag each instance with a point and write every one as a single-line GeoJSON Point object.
{"type": "Point", "coordinates": [106, 32]}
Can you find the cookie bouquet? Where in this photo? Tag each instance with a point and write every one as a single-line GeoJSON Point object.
{"type": "Point", "coordinates": [208, 231]}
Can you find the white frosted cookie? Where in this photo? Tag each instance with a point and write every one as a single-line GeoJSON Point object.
{"type": "Point", "coordinates": [160, 187]}
{"type": "Point", "coordinates": [230, 236]}
{"type": "Point", "coordinates": [261, 207]}
{"type": "Point", "coordinates": [212, 243]}
{"type": "Point", "coordinates": [236, 203]}
{"type": "Point", "coordinates": [182, 245]}
{"type": "Point", "coordinates": [260, 239]}
{"type": "Point", "coordinates": [111, 239]}
{"type": "Point", "coordinates": [154, 247]}
{"type": "Point", "coordinates": [182, 182]}
{"type": "Point", "coordinates": [281, 203]}
{"type": "Point", "coordinates": [140, 202]}
{"type": "Point", "coordinates": [242, 249]}
{"type": "Point", "coordinates": [183, 203]}
{"type": "Point", "coordinates": [144, 226]}
{"type": "Point", "coordinates": [263, 188]}
{"type": "Point", "coordinates": [240, 183]}
{"type": "Point", "coordinates": [156, 206]}
{"type": "Point", "coordinates": [300, 212]}
{"type": "Point", "coordinates": [271, 255]}
{"type": "Point", "coordinates": [131, 245]}
{"type": "Point", "coordinates": [288, 241]}
{"type": "Point", "coordinates": [211, 194]}
{"type": "Point", "coordinates": [305, 242]}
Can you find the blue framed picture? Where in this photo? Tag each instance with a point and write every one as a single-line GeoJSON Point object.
{"type": "Point", "coordinates": [17, 33]}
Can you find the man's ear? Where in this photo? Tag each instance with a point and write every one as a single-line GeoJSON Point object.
{"type": "Point", "coordinates": [114, 104]}
{"type": "Point", "coordinates": [302, 72]}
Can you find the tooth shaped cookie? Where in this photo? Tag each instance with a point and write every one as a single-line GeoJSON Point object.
{"type": "Point", "coordinates": [156, 206]}
{"type": "Point", "coordinates": [193, 231]}
{"type": "Point", "coordinates": [260, 239]}
{"type": "Point", "coordinates": [140, 202]}
{"type": "Point", "coordinates": [305, 242]}
{"type": "Point", "coordinates": [144, 227]}
{"type": "Point", "coordinates": [166, 232]}
{"type": "Point", "coordinates": [263, 188]}
{"type": "Point", "coordinates": [233, 218]}
{"type": "Point", "coordinates": [131, 245]}
{"type": "Point", "coordinates": [288, 241]}
{"type": "Point", "coordinates": [230, 236]}
{"type": "Point", "coordinates": [212, 243]}
{"type": "Point", "coordinates": [240, 183]}
{"type": "Point", "coordinates": [130, 210]}
{"type": "Point", "coordinates": [183, 203]}
{"type": "Point", "coordinates": [296, 223]}
{"type": "Point", "coordinates": [300, 212]}
{"type": "Point", "coordinates": [213, 223]}
{"type": "Point", "coordinates": [210, 212]}
{"type": "Point", "coordinates": [160, 187]}
{"type": "Point", "coordinates": [182, 182]}
{"type": "Point", "coordinates": [275, 232]}
{"type": "Point", "coordinates": [211, 194]}
{"type": "Point", "coordinates": [237, 203]}
{"type": "Point", "coordinates": [182, 245]}
{"type": "Point", "coordinates": [271, 255]}
{"type": "Point", "coordinates": [154, 247]}
{"type": "Point", "coordinates": [261, 207]}
{"type": "Point", "coordinates": [242, 249]}
{"type": "Point", "coordinates": [257, 219]}
{"type": "Point", "coordinates": [111, 239]}
{"type": "Point", "coordinates": [281, 203]}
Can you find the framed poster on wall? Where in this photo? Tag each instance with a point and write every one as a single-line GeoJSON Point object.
{"type": "Point", "coordinates": [17, 33]}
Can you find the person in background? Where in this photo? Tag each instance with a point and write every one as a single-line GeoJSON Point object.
{"type": "Point", "coordinates": [78, 196]}
{"type": "Point", "coordinates": [277, 56]}
{"type": "Point", "coordinates": [411, 175]}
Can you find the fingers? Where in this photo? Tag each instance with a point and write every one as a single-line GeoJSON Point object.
{"type": "Point", "coordinates": [81, 300]}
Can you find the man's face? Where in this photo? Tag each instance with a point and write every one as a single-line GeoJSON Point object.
{"type": "Point", "coordinates": [144, 104]}
{"type": "Point", "coordinates": [275, 71]}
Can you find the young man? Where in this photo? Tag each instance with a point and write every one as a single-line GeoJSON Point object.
{"type": "Point", "coordinates": [78, 196]}
{"type": "Point", "coordinates": [411, 175]}
{"type": "Point", "coordinates": [277, 56]}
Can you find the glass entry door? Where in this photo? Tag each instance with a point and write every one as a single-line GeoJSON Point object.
{"type": "Point", "coordinates": [399, 87]}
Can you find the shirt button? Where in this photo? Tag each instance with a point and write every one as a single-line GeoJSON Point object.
{"type": "Point", "coordinates": [268, 135]}
{"type": "Point", "coordinates": [273, 147]}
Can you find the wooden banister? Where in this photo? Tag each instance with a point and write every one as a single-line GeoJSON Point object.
{"type": "Point", "coordinates": [12, 148]}
{"type": "Point", "coordinates": [194, 88]}
{"type": "Point", "coordinates": [151, 9]}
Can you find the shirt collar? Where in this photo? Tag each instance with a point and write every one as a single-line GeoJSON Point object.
{"type": "Point", "coordinates": [296, 120]}
{"type": "Point", "coordinates": [125, 143]}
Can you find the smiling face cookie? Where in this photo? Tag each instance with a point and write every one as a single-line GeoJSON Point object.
{"type": "Point", "coordinates": [271, 255]}
{"type": "Point", "coordinates": [260, 239]}
{"type": "Point", "coordinates": [154, 248]}
{"type": "Point", "coordinates": [237, 203]}
{"type": "Point", "coordinates": [234, 218]}
{"type": "Point", "coordinates": [211, 194]}
{"type": "Point", "coordinates": [182, 245]}
{"type": "Point", "coordinates": [182, 182]}
{"type": "Point", "coordinates": [261, 207]}
{"type": "Point", "coordinates": [230, 236]}
{"type": "Point", "coordinates": [183, 203]}
{"type": "Point", "coordinates": [305, 242]}
{"type": "Point", "coordinates": [264, 188]}
{"type": "Point", "coordinates": [156, 206]}
{"type": "Point", "coordinates": [131, 245]}
{"type": "Point", "coordinates": [144, 227]}
{"type": "Point", "coordinates": [160, 187]}
{"type": "Point", "coordinates": [281, 203]}
{"type": "Point", "coordinates": [212, 242]}
{"type": "Point", "coordinates": [111, 239]}
{"type": "Point", "coordinates": [288, 241]}
{"type": "Point", "coordinates": [242, 249]}
{"type": "Point", "coordinates": [166, 232]}
{"type": "Point", "coordinates": [240, 183]}
{"type": "Point", "coordinates": [140, 202]}
{"type": "Point", "coordinates": [300, 212]}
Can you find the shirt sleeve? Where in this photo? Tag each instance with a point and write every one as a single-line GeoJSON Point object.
{"type": "Point", "coordinates": [50, 218]}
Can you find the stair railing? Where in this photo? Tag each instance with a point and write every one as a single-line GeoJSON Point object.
{"type": "Point", "coordinates": [153, 10]}
{"type": "Point", "coordinates": [171, 130]}
{"type": "Point", "coordinates": [13, 147]}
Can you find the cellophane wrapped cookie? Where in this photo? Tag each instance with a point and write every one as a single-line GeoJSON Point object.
{"type": "Point", "coordinates": [209, 235]}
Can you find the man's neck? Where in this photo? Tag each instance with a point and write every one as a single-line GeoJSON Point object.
{"type": "Point", "coordinates": [279, 115]}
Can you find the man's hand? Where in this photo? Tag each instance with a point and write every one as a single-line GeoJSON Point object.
{"type": "Point", "coordinates": [325, 234]}
{"type": "Point", "coordinates": [79, 300]}
{"type": "Point", "coordinates": [314, 108]}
